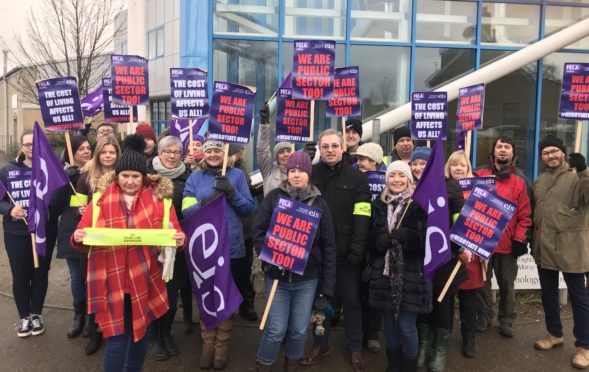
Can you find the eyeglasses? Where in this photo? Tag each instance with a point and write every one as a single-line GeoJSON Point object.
{"type": "Point", "coordinates": [27, 145]}
{"type": "Point", "coordinates": [334, 146]}
{"type": "Point", "coordinates": [169, 153]}
{"type": "Point", "coordinates": [546, 154]}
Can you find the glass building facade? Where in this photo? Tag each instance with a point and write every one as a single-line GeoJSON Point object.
{"type": "Point", "coordinates": [400, 46]}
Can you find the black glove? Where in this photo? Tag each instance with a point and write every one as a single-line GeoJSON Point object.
{"type": "Point", "coordinates": [398, 235]}
{"type": "Point", "coordinates": [519, 248]}
{"type": "Point", "coordinates": [310, 148]}
{"type": "Point", "coordinates": [577, 161]}
{"type": "Point", "coordinates": [265, 114]}
{"type": "Point", "coordinates": [222, 184]}
{"type": "Point", "coordinates": [72, 172]}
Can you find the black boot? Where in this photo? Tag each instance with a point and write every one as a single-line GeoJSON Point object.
{"type": "Point", "coordinates": [187, 313]}
{"type": "Point", "coordinates": [394, 360]}
{"type": "Point", "coordinates": [247, 310]}
{"type": "Point", "coordinates": [408, 364]}
{"type": "Point", "coordinates": [87, 326]}
{"type": "Point", "coordinates": [156, 346]}
{"type": "Point", "coordinates": [468, 344]}
{"type": "Point", "coordinates": [78, 323]}
{"type": "Point", "coordinates": [166, 333]}
{"type": "Point", "coordinates": [95, 337]}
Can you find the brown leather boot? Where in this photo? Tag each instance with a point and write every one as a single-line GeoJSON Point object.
{"type": "Point", "coordinates": [313, 355]}
{"type": "Point", "coordinates": [222, 343]}
{"type": "Point", "coordinates": [208, 347]}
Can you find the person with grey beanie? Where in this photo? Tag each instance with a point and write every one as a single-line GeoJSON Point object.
{"type": "Point", "coordinates": [272, 167]}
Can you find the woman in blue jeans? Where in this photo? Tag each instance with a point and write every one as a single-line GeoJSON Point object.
{"type": "Point", "coordinates": [291, 308]}
{"type": "Point", "coordinates": [397, 249]}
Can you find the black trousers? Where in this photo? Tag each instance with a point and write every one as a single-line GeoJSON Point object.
{"type": "Point", "coordinates": [442, 314]}
{"type": "Point", "coordinates": [469, 308]}
{"type": "Point", "coordinates": [241, 270]}
{"type": "Point", "coordinates": [372, 318]}
{"type": "Point", "coordinates": [29, 285]}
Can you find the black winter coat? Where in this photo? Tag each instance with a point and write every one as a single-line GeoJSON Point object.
{"type": "Point", "coordinates": [321, 262]}
{"type": "Point", "coordinates": [60, 202]}
{"type": "Point", "coordinates": [346, 191]}
{"type": "Point", "coordinates": [417, 293]}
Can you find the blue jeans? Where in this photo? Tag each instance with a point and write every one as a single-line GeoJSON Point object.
{"type": "Point", "coordinates": [579, 303]}
{"type": "Point", "coordinates": [289, 315]}
{"type": "Point", "coordinates": [77, 279]}
{"type": "Point", "coordinates": [121, 353]}
{"type": "Point", "coordinates": [401, 332]}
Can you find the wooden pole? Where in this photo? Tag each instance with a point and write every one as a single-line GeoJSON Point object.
{"type": "Point", "coordinates": [449, 281]}
{"type": "Point", "coordinates": [467, 145]}
{"type": "Point", "coordinates": [312, 124]}
{"type": "Point", "coordinates": [68, 144]}
{"type": "Point", "coordinates": [190, 133]}
{"type": "Point", "coordinates": [484, 268]}
{"type": "Point", "coordinates": [76, 194]}
{"type": "Point", "coordinates": [35, 257]}
{"type": "Point", "coordinates": [14, 203]}
{"type": "Point", "coordinates": [578, 136]}
{"type": "Point", "coordinates": [429, 143]}
{"type": "Point", "coordinates": [268, 304]}
{"type": "Point", "coordinates": [130, 125]}
{"type": "Point", "coordinates": [225, 158]}
{"type": "Point", "coordinates": [344, 133]}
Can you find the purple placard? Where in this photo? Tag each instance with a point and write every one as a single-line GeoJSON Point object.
{"type": "Point", "coordinates": [481, 222]}
{"type": "Point", "coordinates": [574, 99]}
{"type": "Point", "coordinates": [290, 235]}
{"type": "Point", "coordinates": [60, 104]}
{"type": "Point", "coordinates": [130, 80]}
{"type": "Point", "coordinates": [346, 93]}
{"type": "Point", "coordinates": [313, 69]}
{"type": "Point", "coordinates": [232, 111]}
{"type": "Point", "coordinates": [293, 118]}
{"type": "Point", "coordinates": [376, 182]}
{"type": "Point", "coordinates": [18, 186]}
{"type": "Point", "coordinates": [189, 93]}
{"type": "Point", "coordinates": [114, 113]}
{"type": "Point", "coordinates": [92, 103]}
{"type": "Point", "coordinates": [471, 103]}
{"type": "Point", "coordinates": [429, 115]}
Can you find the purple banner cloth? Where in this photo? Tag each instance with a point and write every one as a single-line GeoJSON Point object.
{"type": "Point", "coordinates": [232, 111]}
{"type": "Point", "coordinates": [114, 113]}
{"type": "Point", "coordinates": [290, 235]}
{"type": "Point", "coordinates": [432, 197]}
{"type": "Point", "coordinates": [574, 99]}
{"type": "Point", "coordinates": [209, 263]}
{"type": "Point", "coordinates": [60, 104]}
{"type": "Point", "coordinates": [180, 128]}
{"type": "Point", "coordinates": [189, 93]}
{"type": "Point", "coordinates": [469, 112]}
{"type": "Point", "coordinates": [45, 163]}
{"type": "Point", "coordinates": [92, 103]}
{"type": "Point", "coordinates": [130, 80]}
{"type": "Point", "coordinates": [313, 69]}
{"type": "Point", "coordinates": [346, 93]}
{"type": "Point", "coordinates": [481, 223]}
{"type": "Point", "coordinates": [429, 115]}
{"type": "Point", "coordinates": [460, 141]}
{"type": "Point", "coordinates": [293, 118]}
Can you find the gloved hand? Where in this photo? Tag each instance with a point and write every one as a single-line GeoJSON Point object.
{"type": "Point", "coordinates": [167, 257]}
{"type": "Point", "coordinates": [519, 248]}
{"type": "Point", "coordinates": [577, 161]}
{"type": "Point", "coordinates": [265, 114]}
{"type": "Point", "coordinates": [222, 184]}
{"type": "Point", "coordinates": [398, 235]}
{"type": "Point", "coordinates": [310, 148]}
{"type": "Point", "coordinates": [72, 171]}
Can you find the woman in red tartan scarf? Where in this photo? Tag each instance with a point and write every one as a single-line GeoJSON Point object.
{"type": "Point", "coordinates": [125, 286]}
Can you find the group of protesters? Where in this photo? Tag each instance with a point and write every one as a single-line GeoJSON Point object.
{"type": "Point", "coordinates": [366, 263]}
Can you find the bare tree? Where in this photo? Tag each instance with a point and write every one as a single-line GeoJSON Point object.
{"type": "Point", "coordinates": [66, 38]}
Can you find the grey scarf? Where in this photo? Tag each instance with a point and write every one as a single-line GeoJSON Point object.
{"type": "Point", "coordinates": [167, 172]}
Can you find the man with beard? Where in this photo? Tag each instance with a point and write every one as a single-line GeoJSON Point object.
{"type": "Point", "coordinates": [353, 136]}
{"type": "Point", "coordinates": [513, 242]}
{"type": "Point", "coordinates": [403, 145]}
{"type": "Point", "coordinates": [561, 243]}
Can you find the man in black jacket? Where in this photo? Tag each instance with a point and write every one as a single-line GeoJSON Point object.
{"type": "Point", "coordinates": [347, 194]}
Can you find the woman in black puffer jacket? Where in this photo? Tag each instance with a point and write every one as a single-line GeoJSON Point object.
{"type": "Point", "coordinates": [397, 250]}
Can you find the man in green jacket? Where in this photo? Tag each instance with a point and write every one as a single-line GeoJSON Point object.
{"type": "Point", "coordinates": [561, 242]}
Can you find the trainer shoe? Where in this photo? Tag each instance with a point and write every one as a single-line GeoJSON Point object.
{"type": "Point", "coordinates": [24, 328]}
{"type": "Point", "coordinates": [581, 358]}
{"type": "Point", "coordinates": [37, 321]}
{"type": "Point", "coordinates": [548, 342]}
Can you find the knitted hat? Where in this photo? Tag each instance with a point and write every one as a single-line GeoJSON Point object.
{"type": "Point", "coordinates": [399, 165]}
{"type": "Point", "coordinates": [76, 142]}
{"type": "Point", "coordinates": [146, 131]}
{"type": "Point", "coordinates": [551, 140]}
{"type": "Point", "coordinates": [400, 133]}
{"type": "Point", "coordinates": [354, 124]}
{"type": "Point", "coordinates": [281, 146]}
{"type": "Point", "coordinates": [132, 158]}
{"type": "Point", "coordinates": [300, 160]}
{"type": "Point", "coordinates": [422, 153]}
{"type": "Point", "coordinates": [212, 144]}
{"type": "Point", "coordinates": [370, 150]}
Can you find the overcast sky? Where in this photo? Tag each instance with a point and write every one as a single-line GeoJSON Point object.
{"type": "Point", "coordinates": [12, 19]}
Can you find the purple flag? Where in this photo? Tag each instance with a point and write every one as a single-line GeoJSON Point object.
{"type": "Point", "coordinates": [180, 128]}
{"type": "Point", "coordinates": [432, 197]}
{"type": "Point", "coordinates": [2, 191]}
{"type": "Point", "coordinates": [45, 163]}
{"type": "Point", "coordinates": [208, 262]}
{"type": "Point", "coordinates": [92, 103]}
{"type": "Point", "coordinates": [575, 92]}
